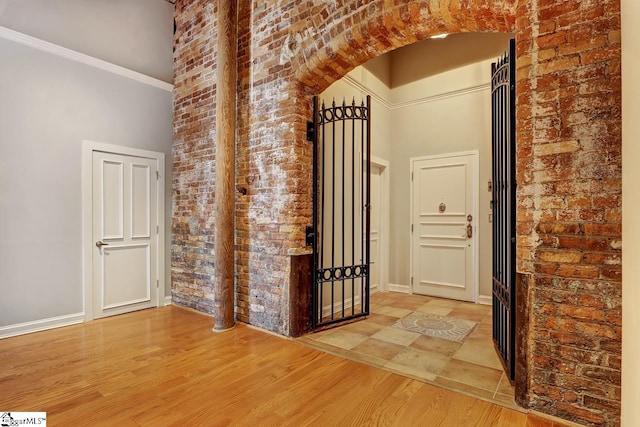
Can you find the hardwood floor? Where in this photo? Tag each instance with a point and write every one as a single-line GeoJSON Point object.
{"type": "Point", "coordinates": [165, 366]}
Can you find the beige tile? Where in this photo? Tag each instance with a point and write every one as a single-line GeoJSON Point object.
{"type": "Point", "coordinates": [427, 361]}
{"type": "Point", "coordinates": [396, 336]}
{"type": "Point", "coordinates": [410, 371]}
{"type": "Point", "coordinates": [364, 327]}
{"type": "Point", "coordinates": [377, 348]}
{"type": "Point", "coordinates": [479, 351]}
{"type": "Point", "coordinates": [434, 309]}
{"type": "Point", "coordinates": [445, 302]}
{"type": "Point", "coordinates": [471, 374]}
{"type": "Point", "coordinates": [394, 312]}
{"type": "Point", "coordinates": [505, 387]}
{"type": "Point", "coordinates": [482, 332]}
{"type": "Point", "coordinates": [437, 345]}
{"type": "Point", "coordinates": [410, 302]}
{"type": "Point", "coordinates": [505, 399]}
{"type": "Point", "coordinates": [382, 319]}
{"type": "Point", "coordinates": [343, 339]}
{"type": "Point", "coordinates": [467, 313]}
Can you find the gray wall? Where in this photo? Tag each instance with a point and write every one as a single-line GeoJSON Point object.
{"type": "Point", "coordinates": [48, 106]}
{"type": "Point", "coordinates": [135, 34]}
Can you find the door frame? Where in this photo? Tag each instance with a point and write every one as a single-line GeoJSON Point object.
{"type": "Point", "coordinates": [88, 148]}
{"type": "Point", "coordinates": [384, 222]}
{"type": "Point", "coordinates": [475, 196]}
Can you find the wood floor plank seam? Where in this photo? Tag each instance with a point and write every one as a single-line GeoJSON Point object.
{"type": "Point", "coordinates": [164, 366]}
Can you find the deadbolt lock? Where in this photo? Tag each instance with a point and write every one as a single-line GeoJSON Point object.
{"type": "Point", "coordinates": [469, 218]}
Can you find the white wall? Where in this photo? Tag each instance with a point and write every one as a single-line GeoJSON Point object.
{"type": "Point", "coordinates": [445, 113]}
{"type": "Point", "coordinates": [137, 35]}
{"type": "Point", "coordinates": [357, 85]}
{"type": "Point", "coordinates": [50, 104]}
{"type": "Point", "coordinates": [630, 209]}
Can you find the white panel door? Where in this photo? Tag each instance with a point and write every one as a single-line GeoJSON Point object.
{"type": "Point", "coordinates": [125, 233]}
{"type": "Point", "coordinates": [376, 224]}
{"type": "Point", "coordinates": [443, 196]}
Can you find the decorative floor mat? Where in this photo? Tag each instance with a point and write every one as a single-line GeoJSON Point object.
{"type": "Point", "coordinates": [436, 326]}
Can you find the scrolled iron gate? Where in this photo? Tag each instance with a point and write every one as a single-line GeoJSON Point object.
{"type": "Point", "coordinates": [504, 207]}
{"type": "Point", "coordinates": [341, 215]}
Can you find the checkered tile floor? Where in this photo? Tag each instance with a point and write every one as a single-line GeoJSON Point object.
{"type": "Point", "coordinates": [471, 367]}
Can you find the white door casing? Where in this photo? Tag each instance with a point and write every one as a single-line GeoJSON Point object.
{"type": "Point", "coordinates": [379, 225]}
{"type": "Point", "coordinates": [123, 208]}
{"type": "Point", "coordinates": [444, 195]}
{"type": "Point", "coordinates": [374, 230]}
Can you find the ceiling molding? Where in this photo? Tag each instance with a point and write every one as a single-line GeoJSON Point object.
{"type": "Point", "coordinates": [82, 58]}
{"type": "Point", "coordinates": [423, 100]}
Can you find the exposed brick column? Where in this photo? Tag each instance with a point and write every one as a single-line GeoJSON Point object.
{"type": "Point", "coordinates": [569, 200]}
{"type": "Point", "coordinates": [225, 166]}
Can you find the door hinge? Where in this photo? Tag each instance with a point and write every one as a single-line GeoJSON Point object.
{"type": "Point", "coordinates": [157, 175]}
{"type": "Point", "coordinates": [412, 280]}
{"type": "Point", "coordinates": [411, 176]}
{"type": "Point", "coordinates": [157, 229]}
{"type": "Point", "coordinates": [412, 228]}
{"type": "Point", "coordinates": [158, 283]}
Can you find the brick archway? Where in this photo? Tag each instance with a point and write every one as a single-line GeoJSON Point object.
{"type": "Point", "coordinates": [379, 28]}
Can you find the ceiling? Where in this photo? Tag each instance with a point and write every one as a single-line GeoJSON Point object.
{"type": "Point", "coordinates": [434, 56]}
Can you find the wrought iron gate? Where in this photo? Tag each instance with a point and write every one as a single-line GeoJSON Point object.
{"type": "Point", "coordinates": [341, 200]}
{"type": "Point", "coordinates": [504, 206]}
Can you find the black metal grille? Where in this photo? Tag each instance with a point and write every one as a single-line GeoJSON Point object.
{"type": "Point", "coordinates": [341, 177]}
{"type": "Point", "coordinates": [504, 206]}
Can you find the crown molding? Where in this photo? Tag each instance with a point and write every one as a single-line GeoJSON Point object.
{"type": "Point", "coordinates": [397, 105]}
{"type": "Point", "coordinates": [82, 58]}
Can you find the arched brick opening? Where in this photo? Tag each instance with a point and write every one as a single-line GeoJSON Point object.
{"type": "Point", "coordinates": [379, 28]}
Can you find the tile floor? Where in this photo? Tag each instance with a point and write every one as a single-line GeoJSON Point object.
{"type": "Point", "coordinates": [471, 367]}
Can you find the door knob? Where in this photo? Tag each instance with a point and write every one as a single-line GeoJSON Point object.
{"type": "Point", "coordinates": [469, 230]}
{"type": "Point", "coordinates": [100, 244]}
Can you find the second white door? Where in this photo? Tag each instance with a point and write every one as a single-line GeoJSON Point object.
{"type": "Point", "coordinates": [443, 224]}
{"type": "Point", "coordinates": [125, 233]}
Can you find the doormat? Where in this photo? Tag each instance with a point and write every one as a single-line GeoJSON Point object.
{"type": "Point", "coordinates": [436, 326]}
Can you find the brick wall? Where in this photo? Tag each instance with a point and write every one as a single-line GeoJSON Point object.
{"type": "Point", "coordinates": [568, 164]}
{"type": "Point", "coordinates": [192, 263]}
{"type": "Point", "coordinates": [569, 204]}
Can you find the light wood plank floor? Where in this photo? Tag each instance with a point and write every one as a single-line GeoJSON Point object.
{"type": "Point", "coordinates": [164, 366]}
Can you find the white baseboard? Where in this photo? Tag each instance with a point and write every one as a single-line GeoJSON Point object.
{"type": "Point", "coordinates": [485, 299]}
{"type": "Point", "coordinates": [167, 300]}
{"type": "Point", "coordinates": [40, 325]}
{"type": "Point", "coordinates": [404, 289]}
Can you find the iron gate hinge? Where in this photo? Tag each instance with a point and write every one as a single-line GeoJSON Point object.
{"type": "Point", "coordinates": [309, 235]}
{"type": "Point", "coordinates": [311, 131]}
